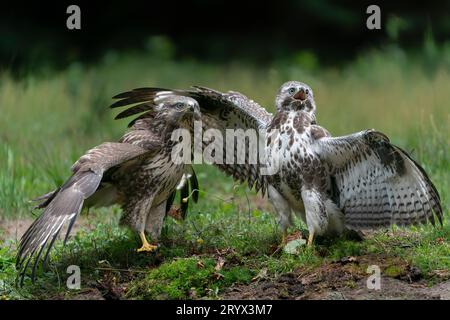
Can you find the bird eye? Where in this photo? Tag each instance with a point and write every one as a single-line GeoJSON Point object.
{"type": "Point", "coordinates": [307, 91]}
{"type": "Point", "coordinates": [291, 90]}
{"type": "Point", "coordinates": [179, 105]}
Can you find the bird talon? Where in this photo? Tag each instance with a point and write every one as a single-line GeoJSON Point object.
{"type": "Point", "coordinates": [310, 239]}
{"type": "Point", "coordinates": [147, 248]}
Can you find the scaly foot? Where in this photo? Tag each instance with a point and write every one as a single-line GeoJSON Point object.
{"type": "Point", "coordinates": [146, 247]}
{"type": "Point", "coordinates": [310, 239]}
{"type": "Point", "coordinates": [283, 239]}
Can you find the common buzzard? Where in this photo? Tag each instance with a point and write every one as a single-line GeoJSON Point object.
{"type": "Point", "coordinates": [360, 181]}
{"type": "Point", "coordinates": [137, 172]}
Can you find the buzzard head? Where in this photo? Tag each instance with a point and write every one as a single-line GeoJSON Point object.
{"type": "Point", "coordinates": [178, 110]}
{"type": "Point", "coordinates": [296, 96]}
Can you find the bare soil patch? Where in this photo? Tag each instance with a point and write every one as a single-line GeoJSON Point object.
{"type": "Point", "coordinates": [345, 279]}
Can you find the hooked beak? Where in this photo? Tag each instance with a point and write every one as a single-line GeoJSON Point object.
{"type": "Point", "coordinates": [197, 114]}
{"type": "Point", "coordinates": [188, 110]}
{"type": "Point", "coordinates": [300, 95]}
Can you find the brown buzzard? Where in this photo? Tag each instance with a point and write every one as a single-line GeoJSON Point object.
{"type": "Point", "coordinates": [137, 172]}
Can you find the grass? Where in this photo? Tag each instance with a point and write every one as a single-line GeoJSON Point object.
{"type": "Point", "coordinates": [48, 120]}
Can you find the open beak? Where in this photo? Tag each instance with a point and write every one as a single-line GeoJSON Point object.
{"type": "Point", "coordinates": [301, 95]}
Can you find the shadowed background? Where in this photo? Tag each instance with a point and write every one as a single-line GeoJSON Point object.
{"type": "Point", "coordinates": [33, 35]}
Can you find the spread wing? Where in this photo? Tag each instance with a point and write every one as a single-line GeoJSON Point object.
{"type": "Point", "coordinates": [63, 205]}
{"type": "Point", "coordinates": [220, 111]}
{"type": "Point", "coordinates": [376, 183]}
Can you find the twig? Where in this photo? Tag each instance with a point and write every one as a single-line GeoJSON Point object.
{"type": "Point", "coordinates": [120, 270]}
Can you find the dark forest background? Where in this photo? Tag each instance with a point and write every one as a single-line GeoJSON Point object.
{"type": "Point", "coordinates": [33, 35]}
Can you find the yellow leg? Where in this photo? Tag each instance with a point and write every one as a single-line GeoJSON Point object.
{"type": "Point", "coordinates": [284, 238]}
{"type": "Point", "coordinates": [145, 245]}
{"type": "Point", "coordinates": [310, 239]}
